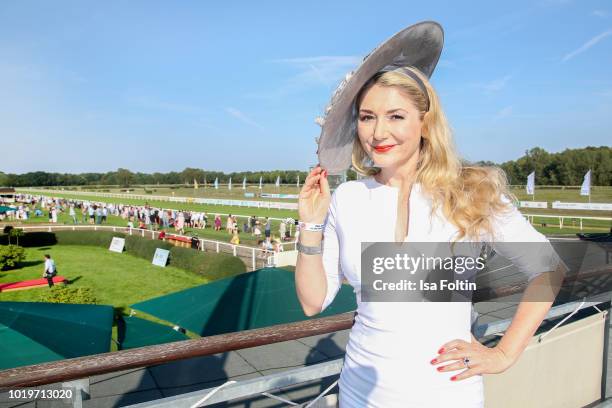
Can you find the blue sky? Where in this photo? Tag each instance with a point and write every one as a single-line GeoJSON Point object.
{"type": "Point", "coordinates": [160, 86]}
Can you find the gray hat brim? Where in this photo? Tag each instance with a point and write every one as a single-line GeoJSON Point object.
{"type": "Point", "coordinates": [419, 45]}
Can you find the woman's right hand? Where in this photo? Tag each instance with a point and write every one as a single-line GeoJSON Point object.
{"type": "Point", "coordinates": [315, 197]}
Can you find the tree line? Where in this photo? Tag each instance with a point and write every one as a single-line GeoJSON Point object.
{"type": "Point", "coordinates": [564, 168]}
{"type": "Point", "coordinates": [125, 178]}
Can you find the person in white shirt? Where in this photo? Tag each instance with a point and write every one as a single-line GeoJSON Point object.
{"type": "Point", "coordinates": [50, 270]}
{"type": "Point", "coordinates": [416, 189]}
{"type": "Point", "coordinates": [90, 211]}
{"type": "Point", "coordinates": [72, 214]}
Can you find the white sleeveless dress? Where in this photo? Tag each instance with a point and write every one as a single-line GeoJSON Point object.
{"type": "Point", "coordinates": [387, 360]}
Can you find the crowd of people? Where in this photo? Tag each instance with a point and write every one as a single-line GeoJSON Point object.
{"type": "Point", "coordinates": [151, 218]}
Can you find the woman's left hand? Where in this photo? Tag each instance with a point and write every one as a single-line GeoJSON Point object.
{"type": "Point", "coordinates": [483, 359]}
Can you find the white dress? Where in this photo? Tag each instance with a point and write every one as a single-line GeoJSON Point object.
{"type": "Point", "coordinates": [387, 360]}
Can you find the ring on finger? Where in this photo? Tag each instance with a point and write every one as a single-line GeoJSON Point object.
{"type": "Point", "coordinates": [466, 362]}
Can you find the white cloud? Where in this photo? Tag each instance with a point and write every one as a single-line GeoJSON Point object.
{"type": "Point", "coordinates": [321, 68]}
{"type": "Point", "coordinates": [311, 71]}
{"type": "Point", "coordinates": [601, 13]}
{"type": "Point", "coordinates": [445, 63]}
{"type": "Point", "coordinates": [607, 93]}
{"type": "Point", "coordinates": [584, 47]}
{"type": "Point", "coordinates": [555, 2]}
{"type": "Point", "coordinates": [495, 85]}
{"type": "Point", "coordinates": [503, 113]}
{"type": "Point", "coordinates": [243, 118]}
{"type": "Point", "coordinates": [149, 102]}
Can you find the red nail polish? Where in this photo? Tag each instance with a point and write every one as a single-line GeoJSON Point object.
{"type": "Point", "coordinates": [440, 368]}
{"type": "Point", "coordinates": [325, 173]}
{"type": "Point", "coordinates": [441, 350]}
{"type": "Point", "coordinates": [453, 378]}
{"type": "Point", "coordinates": [434, 361]}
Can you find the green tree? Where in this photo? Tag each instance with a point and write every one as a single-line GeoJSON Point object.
{"type": "Point", "coordinates": [124, 177]}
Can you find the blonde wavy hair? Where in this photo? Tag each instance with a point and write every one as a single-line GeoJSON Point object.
{"type": "Point", "coordinates": [468, 195]}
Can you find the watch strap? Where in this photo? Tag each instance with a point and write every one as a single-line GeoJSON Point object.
{"type": "Point", "coordinates": [309, 250]}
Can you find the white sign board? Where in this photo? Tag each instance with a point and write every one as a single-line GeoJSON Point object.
{"type": "Point", "coordinates": [117, 244]}
{"type": "Point", "coordinates": [286, 258]}
{"type": "Point", "coordinates": [534, 204]}
{"type": "Point", "coordinates": [161, 257]}
{"type": "Point", "coordinates": [582, 206]}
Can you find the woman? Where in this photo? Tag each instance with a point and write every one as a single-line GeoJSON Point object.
{"type": "Point", "coordinates": [180, 223]}
{"type": "Point", "coordinates": [235, 238]}
{"type": "Point", "coordinates": [277, 246]}
{"type": "Point", "coordinates": [234, 224]}
{"type": "Point", "coordinates": [405, 354]}
{"type": "Point", "coordinates": [257, 230]}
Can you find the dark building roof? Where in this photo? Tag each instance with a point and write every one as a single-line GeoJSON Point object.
{"type": "Point", "coordinates": [7, 190]}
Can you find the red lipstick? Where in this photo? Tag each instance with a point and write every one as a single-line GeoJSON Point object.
{"type": "Point", "coordinates": [383, 148]}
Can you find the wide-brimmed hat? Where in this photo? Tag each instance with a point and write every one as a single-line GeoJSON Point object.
{"type": "Point", "coordinates": [417, 46]}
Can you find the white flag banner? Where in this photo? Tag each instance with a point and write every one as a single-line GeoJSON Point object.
{"type": "Point", "coordinates": [585, 189]}
{"type": "Point", "coordinates": [277, 181]}
{"type": "Point", "coordinates": [260, 182]}
{"type": "Point", "coordinates": [298, 182]}
{"type": "Point", "coordinates": [244, 183]}
{"type": "Point", "coordinates": [229, 185]}
{"type": "Point", "coordinates": [217, 182]}
{"type": "Point", "coordinates": [195, 184]}
{"type": "Point", "coordinates": [531, 183]}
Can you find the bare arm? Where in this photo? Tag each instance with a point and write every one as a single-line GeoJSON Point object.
{"type": "Point", "coordinates": [310, 277]}
{"type": "Point", "coordinates": [535, 304]}
{"type": "Point", "coordinates": [310, 281]}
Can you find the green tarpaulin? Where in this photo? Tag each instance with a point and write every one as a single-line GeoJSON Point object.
{"type": "Point", "coordinates": [33, 332]}
{"type": "Point", "coordinates": [248, 301]}
{"type": "Point", "coordinates": [134, 332]}
{"type": "Point", "coordinates": [4, 209]}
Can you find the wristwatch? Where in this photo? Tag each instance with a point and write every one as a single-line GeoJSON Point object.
{"type": "Point", "coordinates": [309, 250]}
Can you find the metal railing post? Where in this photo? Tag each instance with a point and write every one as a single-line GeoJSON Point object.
{"type": "Point", "coordinates": [81, 391]}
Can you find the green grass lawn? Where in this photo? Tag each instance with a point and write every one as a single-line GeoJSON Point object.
{"type": "Point", "coordinates": [115, 279]}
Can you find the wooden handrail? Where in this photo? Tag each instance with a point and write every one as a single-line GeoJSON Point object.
{"type": "Point", "coordinates": [82, 367]}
